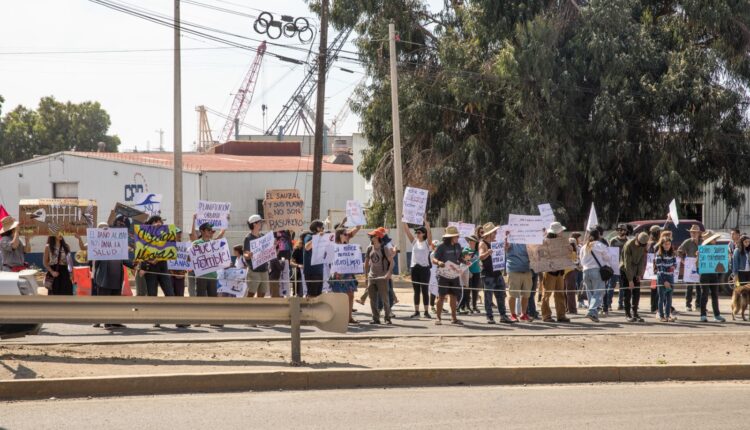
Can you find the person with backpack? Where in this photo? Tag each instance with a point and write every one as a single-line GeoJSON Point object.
{"type": "Point", "coordinates": [595, 259]}
{"type": "Point", "coordinates": [379, 268]}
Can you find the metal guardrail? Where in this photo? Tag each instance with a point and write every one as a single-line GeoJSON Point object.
{"type": "Point", "coordinates": [328, 312]}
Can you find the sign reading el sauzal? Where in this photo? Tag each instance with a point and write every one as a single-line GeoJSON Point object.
{"type": "Point", "coordinates": [284, 210]}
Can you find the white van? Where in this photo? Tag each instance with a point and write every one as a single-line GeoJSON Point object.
{"type": "Point", "coordinates": [18, 284]}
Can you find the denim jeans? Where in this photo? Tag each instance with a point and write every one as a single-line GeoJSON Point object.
{"type": "Point", "coordinates": [531, 308]}
{"type": "Point", "coordinates": [610, 293]}
{"type": "Point", "coordinates": [159, 279]}
{"type": "Point", "coordinates": [494, 286]}
{"type": "Point", "coordinates": [665, 295]}
{"type": "Point", "coordinates": [592, 282]}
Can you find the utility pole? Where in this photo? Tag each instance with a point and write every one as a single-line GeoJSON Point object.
{"type": "Point", "coordinates": [320, 112]}
{"type": "Point", "coordinates": [397, 173]}
{"type": "Point", "coordinates": [177, 120]}
{"type": "Point", "coordinates": [161, 139]}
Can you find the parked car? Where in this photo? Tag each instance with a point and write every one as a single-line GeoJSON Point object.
{"type": "Point", "coordinates": [679, 232]}
{"type": "Point", "coordinates": [18, 284]}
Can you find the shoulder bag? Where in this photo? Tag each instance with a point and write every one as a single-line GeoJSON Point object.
{"type": "Point", "coordinates": [605, 272]}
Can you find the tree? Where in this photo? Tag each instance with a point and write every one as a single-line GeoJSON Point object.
{"type": "Point", "coordinates": [55, 127]}
{"type": "Point", "coordinates": [626, 103]}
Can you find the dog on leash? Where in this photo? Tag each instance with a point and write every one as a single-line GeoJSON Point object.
{"type": "Point", "coordinates": [740, 300]}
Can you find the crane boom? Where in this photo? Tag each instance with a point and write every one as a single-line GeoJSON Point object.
{"type": "Point", "coordinates": [244, 96]}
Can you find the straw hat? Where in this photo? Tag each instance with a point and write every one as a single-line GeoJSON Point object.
{"type": "Point", "coordinates": [9, 223]}
{"type": "Point", "coordinates": [102, 225]}
{"type": "Point", "coordinates": [643, 238]}
{"type": "Point", "coordinates": [489, 228]}
{"type": "Point", "coordinates": [556, 228]}
{"type": "Point", "coordinates": [695, 229]}
{"type": "Point", "coordinates": [472, 238]}
{"type": "Point", "coordinates": [451, 231]}
{"type": "Point", "coordinates": [711, 239]}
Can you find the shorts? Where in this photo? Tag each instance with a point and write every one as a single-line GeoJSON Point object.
{"type": "Point", "coordinates": [449, 287]}
{"type": "Point", "coordinates": [257, 282]}
{"type": "Point", "coordinates": [519, 284]}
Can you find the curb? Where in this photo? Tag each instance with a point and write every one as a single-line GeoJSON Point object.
{"type": "Point", "coordinates": [192, 383]}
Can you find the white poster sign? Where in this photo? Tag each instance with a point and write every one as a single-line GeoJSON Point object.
{"type": "Point", "coordinates": [209, 256]}
{"type": "Point", "coordinates": [263, 249]}
{"type": "Point", "coordinates": [649, 275]}
{"type": "Point", "coordinates": [232, 281]}
{"type": "Point", "coordinates": [107, 243]}
{"type": "Point", "coordinates": [690, 271]}
{"type": "Point", "coordinates": [593, 219]}
{"type": "Point", "coordinates": [415, 205]}
{"type": "Point", "coordinates": [355, 215]}
{"type": "Point", "coordinates": [464, 230]}
{"type": "Point", "coordinates": [614, 256]}
{"type": "Point", "coordinates": [216, 213]}
{"type": "Point", "coordinates": [673, 212]}
{"type": "Point", "coordinates": [347, 260]}
{"type": "Point", "coordinates": [149, 203]}
{"type": "Point", "coordinates": [547, 214]}
{"type": "Point", "coordinates": [323, 248]}
{"type": "Point", "coordinates": [526, 229]}
{"type": "Point", "coordinates": [182, 262]}
{"type": "Point", "coordinates": [452, 270]}
{"type": "Point", "coordinates": [498, 255]}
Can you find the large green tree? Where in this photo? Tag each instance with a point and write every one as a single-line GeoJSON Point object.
{"type": "Point", "coordinates": [624, 103]}
{"type": "Point", "coordinates": [53, 127]}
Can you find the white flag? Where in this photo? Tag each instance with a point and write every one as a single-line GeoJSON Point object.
{"type": "Point", "coordinates": [593, 220]}
{"type": "Point", "coordinates": [673, 212]}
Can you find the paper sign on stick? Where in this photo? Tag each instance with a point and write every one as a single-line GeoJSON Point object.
{"type": "Point", "coordinates": [498, 255]}
{"type": "Point", "coordinates": [548, 215]}
{"type": "Point", "coordinates": [593, 219]}
{"type": "Point", "coordinates": [149, 203]}
{"type": "Point", "coordinates": [208, 257]}
{"type": "Point", "coordinates": [690, 270]}
{"type": "Point", "coordinates": [614, 256]}
{"type": "Point", "coordinates": [355, 216]}
{"type": "Point", "coordinates": [347, 260]}
{"type": "Point", "coordinates": [284, 210]}
{"type": "Point", "coordinates": [414, 205]}
{"type": "Point", "coordinates": [215, 213]}
{"type": "Point", "coordinates": [464, 230]}
{"type": "Point", "coordinates": [107, 244]}
{"type": "Point", "coordinates": [323, 248]}
{"type": "Point", "coordinates": [673, 212]}
{"type": "Point", "coordinates": [526, 229]}
{"type": "Point", "coordinates": [649, 275]}
{"type": "Point", "coordinates": [263, 249]}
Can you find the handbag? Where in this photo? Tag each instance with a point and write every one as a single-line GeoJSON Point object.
{"type": "Point", "coordinates": [48, 278]}
{"type": "Point", "coordinates": [605, 272]}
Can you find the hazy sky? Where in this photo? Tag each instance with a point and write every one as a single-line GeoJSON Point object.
{"type": "Point", "coordinates": [136, 87]}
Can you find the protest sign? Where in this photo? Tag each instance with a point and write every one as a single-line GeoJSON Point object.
{"type": "Point", "coordinates": [208, 257]}
{"type": "Point", "coordinates": [551, 255]}
{"type": "Point", "coordinates": [593, 218]}
{"type": "Point", "coordinates": [347, 260]}
{"type": "Point", "coordinates": [614, 257]}
{"type": "Point", "coordinates": [232, 281]}
{"type": "Point", "coordinates": [149, 203]}
{"type": "Point", "coordinates": [498, 255]}
{"type": "Point", "coordinates": [107, 244]}
{"type": "Point", "coordinates": [48, 217]}
{"type": "Point", "coordinates": [649, 275]}
{"type": "Point", "coordinates": [263, 249]}
{"type": "Point", "coordinates": [284, 210]}
{"type": "Point", "coordinates": [155, 242]}
{"type": "Point", "coordinates": [690, 270]}
{"type": "Point", "coordinates": [134, 215]}
{"type": "Point", "coordinates": [673, 212]}
{"type": "Point", "coordinates": [464, 230]}
{"type": "Point", "coordinates": [182, 262]}
{"type": "Point", "coordinates": [322, 248]}
{"type": "Point", "coordinates": [526, 229]}
{"type": "Point", "coordinates": [215, 213]}
{"type": "Point", "coordinates": [354, 214]}
{"type": "Point", "coordinates": [547, 214]}
{"type": "Point", "coordinates": [414, 205]}
{"type": "Point", "coordinates": [452, 270]}
{"type": "Point", "coordinates": [713, 259]}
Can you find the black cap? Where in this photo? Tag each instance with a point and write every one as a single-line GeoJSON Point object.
{"type": "Point", "coordinates": [206, 226]}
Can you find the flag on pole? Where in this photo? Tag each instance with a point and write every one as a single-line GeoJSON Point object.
{"type": "Point", "coordinates": [673, 212]}
{"type": "Point", "coordinates": [3, 212]}
{"type": "Point", "coordinates": [593, 220]}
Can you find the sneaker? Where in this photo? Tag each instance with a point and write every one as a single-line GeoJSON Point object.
{"type": "Point", "coordinates": [689, 308]}
{"type": "Point", "coordinates": [463, 312]}
{"type": "Point", "coordinates": [704, 318]}
{"type": "Point", "coordinates": [157, 325]}
{"type": "Point", "coordinates": [490, 321]}
{"type": "Point", "coordinates": [414, 315]}
{"type": "Point", "coordinates": [438, 322]}
{"type": "Point", "coordinates": [592, 317]}
{"type": "Point", "coordinates": [97, 325]}
{"type": "Point", "coordinates": [457, 322]}
{"type": "Point", "coordinates": [525, 318]}
{"type": "Point", "coordinates": [548, 320]}
{"type": "Point", "coordinates": [388, 321]}
{"type": "Point", "coordinates": [375, 322]}
{"type": "Point", "coordinates": [108, 327]}
{"type": "Point", "coordinates": [563, 320]}
{"type": "Point", "coordinates": [672, 319]}
{"type": "Point", "coordinates": [719, 318]}
{"type": "Point", "coordinates": [427, 315]}
{"type": "Point", "coordinates": [631, 319]}
{"type": "Point", "coordinates": [476, 310]}
{"type": "Point", "coordinates": [513, 318]}
{"type": "Point", "coordinates": [182, 325]}
{"type": "Point", "coordinates": [505, 320]}
{"type": "Point", "coordinates": [620, 307]}
{"type": "Point", "coordinates": [639, 318]}
{"type": "Point", "coordinates": [662, 319]}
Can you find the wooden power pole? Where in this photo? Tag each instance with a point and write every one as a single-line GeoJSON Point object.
{"type": "Point", "coordinates": [320, 112]}
{"type": "Point", "coordinates": [177, 120]}
{"type": "Point", "coordinates": [397, 172]}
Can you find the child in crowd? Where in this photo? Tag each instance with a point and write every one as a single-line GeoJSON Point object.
{"type": "Point", "coordinates": [665, 264]}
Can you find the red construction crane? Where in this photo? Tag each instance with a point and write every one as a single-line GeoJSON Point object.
{"type": "Point", "coordinates": [244, 96]}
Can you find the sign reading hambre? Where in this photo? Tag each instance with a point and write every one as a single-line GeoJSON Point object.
{"type": "Point", "coordinates": [284, 210]}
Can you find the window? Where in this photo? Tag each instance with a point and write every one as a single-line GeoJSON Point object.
{"type": "Point", "coordinates": [65, 190]}
{"type": "Point", "coordinates": [259, 207]}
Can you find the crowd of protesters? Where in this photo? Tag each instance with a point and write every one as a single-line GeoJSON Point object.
{"type": "Point", "coordinates": [510, 293]}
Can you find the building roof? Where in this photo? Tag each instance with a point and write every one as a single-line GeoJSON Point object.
{"type": "Point", "coordinates": [199, 162]}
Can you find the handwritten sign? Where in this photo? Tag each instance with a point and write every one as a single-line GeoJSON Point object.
{"type": "Point", "coordinates": [552, 255]}
{"type": "Point", "coordinates": [354, 214]}
{"type": "Point", "coordinates": [263, 249]}
{"type": "Point", "coordinates": [284, 210]}
{"type": "Point", "coordinates": [713, 259]}
{"type": "Point", "coordinates": [347, 260]}
{"type": "Point", "coordinates": [690, 270]}
{"type": "Point", "coordinates": [526, 229]}
{"type": "Point", "coordinates": [215, 213]}
{"type": "Point", "coordinates": [232, 281]}
{"type": "Point", "coordinates": [464, 230]}
{"type": "Point", "coordinates": [323, 248]}
{"type": "Point", "coordinates": [208, 257]}
{"type": "Point", "coordinates": [48, 217]}
{"type": "Point", "coordinates": [155, 242]}
{"type": "Point", "coordinates": [415, 205]}
{"type": "Point", "coordinates": [107, 243]}
{"type": "Point", "coordinates": [452, 270]}
{"type": "Point", "coordinates": [614, 257]}
{"type": "Point", "coordinates": [182, 262]}
{"type": "Point", "coordinates": [547, 214]}
{"type": "Point", "coordinates": [649, 275]}
{"type": "Point", "coordinates": [498, 255]}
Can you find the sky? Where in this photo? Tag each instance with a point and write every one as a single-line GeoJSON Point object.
{"type": "Point", "coordinates": [135, 87]}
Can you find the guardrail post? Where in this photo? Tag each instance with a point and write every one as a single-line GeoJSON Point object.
{"type": "Point", "coordinates": [295, 313]}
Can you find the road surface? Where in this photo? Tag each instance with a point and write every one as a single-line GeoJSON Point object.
{"type": "Point", "coordinates": [611, 407]}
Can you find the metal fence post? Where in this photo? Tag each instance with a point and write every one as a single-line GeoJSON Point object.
{"type": "Point", "coordinates": [295, 313]}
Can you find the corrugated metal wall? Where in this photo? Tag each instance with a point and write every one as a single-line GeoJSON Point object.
{"type": "Point", "coordinates": [715, 214]}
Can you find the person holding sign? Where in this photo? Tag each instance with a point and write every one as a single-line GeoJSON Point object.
{"type": "Point", "coordinates": [206, 284]}
{"type": "Point", "coordinates": [313, 272]}
{"type": "Point", "coordinates": [345, 282]}
{"type": "Point", "coordinates": [12, 249]}
{"type": "Point", "coordinates": [554, 282]}
{"type": "Point", "coordinates": [449, 252]}
{"type": "Point", "coordinates": [59, 263]}
{"type": "Point", "coordinates": [665, 264]}
{"type": "Point", "coordinates": [492, 277]}
{"type": "Point", "coordinates": [710, 285]}
{"type": "Point", "coordinates": [155, 272]}
{"type": "Point", "coordinates": [689, 248]}
{"type": "Point", "coordinates": [420, 265]}
{"type": "Point", "coordinates": [257, 278]}
{"type": "Point", "coordinates": [378, 267]}
{"type": "Point", "coordinates": [109, 276]}
{"type": "Point", "coordinates": [594, 258]}
{"type": "Point", "coordinates": [520, 278]}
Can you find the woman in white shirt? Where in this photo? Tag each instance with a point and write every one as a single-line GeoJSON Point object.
{"type": "Point", "coordinates": [593, 256]}
{"type": "Point", "coordinates": [420, 265]}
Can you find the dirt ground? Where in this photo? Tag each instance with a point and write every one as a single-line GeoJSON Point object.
{"type": "Point", "coordinates": [37, 361]}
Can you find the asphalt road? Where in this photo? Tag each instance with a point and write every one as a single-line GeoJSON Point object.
{"type": "Point", "coordinates": [688, 322]}
{"type": "Point", "coordinates": [611, 407]}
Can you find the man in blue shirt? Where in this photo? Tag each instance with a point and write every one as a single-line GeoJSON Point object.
{"type": "Point", "coordinates": [519, 278]}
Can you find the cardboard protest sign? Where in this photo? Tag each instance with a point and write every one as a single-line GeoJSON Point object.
{"type": "Point", "coordinates": [347, 260]}
{"type": "Point", "coordinates": [649, 275]}
{"type": "Point", "coordinates": [182, 262]}
{"type": "Point", "coordinates": [107, 244]}
{"type": "Point", "coordinates": [355, 216]}
{"type": "Point", "coordinates": [135, 216]}
{"type": "Point", "coordinates": [149, 203]}
{"type": "Point", "coordinates": [614, 256]}
{"type": "Point", "coordinates": [263, 249]}
{"type": "Point", "coordinates": [48, 217]}
{"type": "Point", "coordinates": [713, 259]}
{"type": "Point", "coordinates": [232, 281]}
{"type": "Point", "coordinates": [526, 229]}
{"type": "Point", "coordinates": [498, 255]}
{"type": "Point", "coordinates": [553, 254]}
{"type": "Point", "coordinates": [414, 205]}
{"type": "Point", "coordinates": [323, 248]}
{"type": "Point", "coordinates": [155, 242]}
{"type": "Point", "coordinates": [673, 212]}
{"type": "Point", "coordinates": [208, 257]}
{"type": "Point", "coordinates": [547, 214]}
{"type": "Point", "coordinates": [284, 210]}
{"type": "Point", "coordinates": [690, 270]}
{"type": "Point", "coordinates": [215, 213]}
